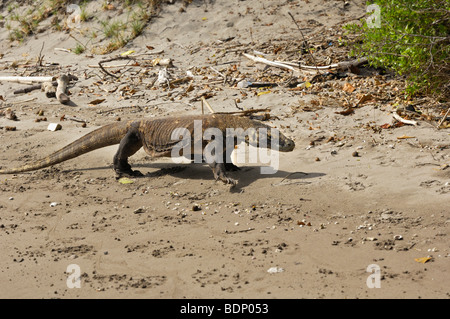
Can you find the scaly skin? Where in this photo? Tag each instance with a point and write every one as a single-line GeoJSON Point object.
{"type": "Point", "coordinates": [155, 135]}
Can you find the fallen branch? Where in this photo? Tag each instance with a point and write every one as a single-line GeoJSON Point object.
{"type": "Point", "coordinates": [221, 74]}
{"type": "Point", "coordinates": [61, 89]}
{"type": "Point", "coordinates": [340, 66]}
{"type": "Point", "coordinates": [24, 101]}
{"type": "Point", "coordinates": [27, 79]}
{"type": "Point", "coordinates": [65, 117]}
{"type": "Point", "coordinates": [45, 86]}
{"type": "Point", "coordinates": [62, 49]}
{"type": "Point", "coordinates": [346, 65]}
{"type": "Point", "coordinates": [100, 64]}
{"type": "Point", "coordinates": [123, 107]}
{"type": "Point", "coordinates": [304, 41]}
{"type": "Point", "coordinates": [40, 57]}
{"type": "Point", "coordinates": [443, 118]}
{"type": "Point", "coordinates": [400, 119]}
{"type": "Point", "coordinates": [207, 105]}
{"type": "Point", "coordinates": [148, 53]}
{"type": "Point", "coordinates": [29, 89]}
{"type": "Point", "coordinates": [49, 89]}
{"type": "Point", "coordinates": [268, 62]}
{"type": "Point", "coordinates": [180, 80]}
{"type": "Point", "coordinates": [246, 112]}
{"type": "Point", "coordinates": [112, 66]}
{"type": "Point", "coordinates": [246, 84]}
{"type": "Point", "coordinates": [230, 232]}
{"type": "Point", "coordinates": [189, 88]}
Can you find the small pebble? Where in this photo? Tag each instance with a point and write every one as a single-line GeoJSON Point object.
{"type": "Point", "coordinates": [54, 127]}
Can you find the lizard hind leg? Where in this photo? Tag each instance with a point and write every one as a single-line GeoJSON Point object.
{"type": "Point", "coordinates": [129, 145]}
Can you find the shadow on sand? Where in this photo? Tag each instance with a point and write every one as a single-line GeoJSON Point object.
{"type": "Point", "coordinates": [245, 176]}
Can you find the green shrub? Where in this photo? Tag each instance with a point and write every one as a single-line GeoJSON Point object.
{"type": "Point", "coordinates": [412, 39]}
{"type": "Point", "coordinates": [79, 49]}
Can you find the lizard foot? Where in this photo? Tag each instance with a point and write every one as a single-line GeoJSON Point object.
{"type": "Point", "coordinates": [228, 180]}
{"type": "Point", "coordinates": [128, 173]}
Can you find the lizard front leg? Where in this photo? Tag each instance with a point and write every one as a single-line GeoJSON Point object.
{"type": "Point", "coordinates": [129, 145]}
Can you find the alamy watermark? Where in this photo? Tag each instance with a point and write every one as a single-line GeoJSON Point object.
{"type": "Point", "coordinates": [74, 278]}
{"type": "Point", "coordinates": [219, 148]}
{"type": "Point", "coordinates": [374, 280]}
{"type": "Point", "coordinates": [374, 20]}
{"type": "Point", "coordinates": [74, 19]}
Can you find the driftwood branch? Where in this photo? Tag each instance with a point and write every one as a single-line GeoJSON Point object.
{"type": "Point", "coordinates": [443, 118]}
{"type": "Point", "coordinates": [27, 79]}
{"type": "Point", "coordinates": [61, 90]}
{"type": "Point", "coordinates": [268, 62]}
{"type": "Point", "coordinates": [340, 66]}
{"type": "Point", "coordinates": [100, 64]}
{"type": "Point", "coordinates": [45, 87]}
{"type": "Point", "coordinates": [245, 112]}
{"type": "Point", "coordinates": [49, 89]}
{"type": "Point", "coordinates": [304, 41]}
{"type": "Point", "coordinates": [207, 105]}
{"type": "Point", "coordinates": [28, 89]}
{"type": "Point", "coordinates": [346, 65]}
{"type": "Point", "coordinates": [401, 119]}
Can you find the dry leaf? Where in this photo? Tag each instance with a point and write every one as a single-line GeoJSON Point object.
{"type": "Point", "coordinates": [348, 88]}
{"type": "Point", "coordinates": [365, 98]}
{"type": "Point", "coordinates": [346, 112]}
{"type": "Point", "coordinates": [404, 137]}
{"type": "Point", "coordinates": [97, 101]}
{"type": "Point", "coordinates": [125, 180]}
{"type": "Point", "coordinates": [127, 53]}
{"type": "Point", "coordinates": [276, 50]}
{"type": "Point", "coordinates": [422, 259]}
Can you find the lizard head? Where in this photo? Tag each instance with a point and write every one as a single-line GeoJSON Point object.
{"type": "Point", "coordinates": [279, 140]}
{"type": "Point", "coordinates": [285, 144]}
{"type": "Point", "coordinates": [268, 137]}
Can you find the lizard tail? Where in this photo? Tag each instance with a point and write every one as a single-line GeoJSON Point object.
{"type": "Point", "coordinates": [104, 136]}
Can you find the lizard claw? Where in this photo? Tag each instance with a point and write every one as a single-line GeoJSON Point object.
{"type": "Point", "coordinates": [228, 180]}
{"type": "Point", "coordinates": [128, 173]}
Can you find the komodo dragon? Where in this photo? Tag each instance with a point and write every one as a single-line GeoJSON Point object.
{"type": "Point", "coordinates": [155, 135]}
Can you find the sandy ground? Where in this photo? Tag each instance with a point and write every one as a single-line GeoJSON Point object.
{"type": "Point", "coordinates": [322, 219]}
